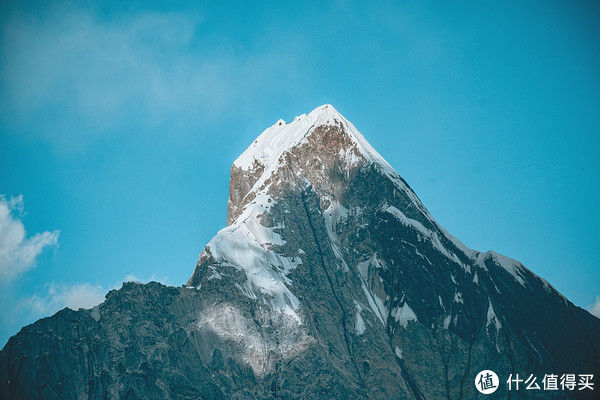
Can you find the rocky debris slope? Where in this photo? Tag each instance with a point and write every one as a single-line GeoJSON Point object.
{"type": "Point", "coordinates": [331, 280]}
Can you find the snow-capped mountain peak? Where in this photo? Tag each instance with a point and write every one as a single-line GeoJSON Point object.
{"type": "Point", "coordinates": [271, 144]}
{"type": "Point", "coordinates": [316, 216]}
{"type": "Point", "coordinates": [330, 280]}
{"type": "Point", "coordinates": [323, 132]}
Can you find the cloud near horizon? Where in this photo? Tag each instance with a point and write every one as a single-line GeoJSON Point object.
{"type": "Point", "coordinates": [75, 296]}
{"type": "Point", "coordinates": [18, 252]}
{"type": "Point", "coordinates": [59, 296]}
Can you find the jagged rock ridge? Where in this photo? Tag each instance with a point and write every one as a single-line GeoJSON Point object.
{"type": "Point", "coordinates": [331, 280]}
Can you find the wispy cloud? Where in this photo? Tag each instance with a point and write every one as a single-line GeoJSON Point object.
{"type": "Point", "coordinates": [17, 251]}
{"type": "Point", "coordinates": [595, 307]}
{"type": "Point", "coordinates": [72, 76]}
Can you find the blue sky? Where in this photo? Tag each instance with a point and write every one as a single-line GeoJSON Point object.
{"type": "Point", "coordinates": [118, 126]}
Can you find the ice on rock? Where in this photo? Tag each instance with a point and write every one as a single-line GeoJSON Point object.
{"type": "Point", "coordinates": [373, 262]}
{"type": "Point", "coordinates": [227, 321]}
{"type": "Point", "coordinates": [244, 246]}
{"type": "Point", "coordinates": [334, 214]}
{"type": "Point", "coordinates": [419, 227]}
{"type": "Point", "coordinates": [407, 221]}
{"type": "Point", "coordinates": [214, 274]}
{"type": "Point", "coordinates": [359, 324]}
{"type": "Point", "coordinates": [446, 322]}
{"type": "Point", "coordinates": [513, 267]}
{"type": "Point", "coordinates": [382, 316]}
{"type": "Point", "coordinates": [492, 318]}
{"type": "Point", "coordinates": [458, 297]}
{"type": "Point", "coordinates": [403, 315]}
{"type": "Point", "coordinates": [398, 352]}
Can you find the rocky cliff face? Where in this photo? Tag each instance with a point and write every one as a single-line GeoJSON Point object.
{"type": "Point", "coordinates": [331, 280]}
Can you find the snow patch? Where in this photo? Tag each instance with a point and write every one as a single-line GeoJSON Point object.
{"type": "Point", "coordinates": [492, 318]}
{"type": "Point", "coordinates": [398, 352]}
{"type": "Point", "coordinates": [446, 322]}
{"type": "Point", "coordinates": [407, 221]}
{"type": "Point", "coordinates": [333, 215]}
{"type": "Point", "coordinates": [242, 246]}
{"type": "Point", "coordinates": [257, 348]}
{"type": "Point", "coordinates": [359, 324]}
{"type": "Point", "coordinates": [373, 305]}
{"type": "Point", "coordinates": [383, 311]}
{"type": "Point", "coordinates": [432, 236]}
{"type": "Point", "coordinates": [373, 261]}
{"type": "Point", "coordinates": [403, 315]}
{"type": "Point", "coordinates": [513, 267]}
{"type": "Point", "coordinates": [215, 274]}
{"type": "Point", "coordinates": [458, 297]}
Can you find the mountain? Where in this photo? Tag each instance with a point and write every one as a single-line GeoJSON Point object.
{"type": "Point", "coordinates": [331, 280]}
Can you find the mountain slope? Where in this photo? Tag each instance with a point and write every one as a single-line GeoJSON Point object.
{"type": "Point", "coordinates": [331, 280]}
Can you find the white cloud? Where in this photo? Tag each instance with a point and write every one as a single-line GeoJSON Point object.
{"type": "Point", "coordinates": [80, 295]}
{"type": "Point", "coordinates": [595, 307]}
{"type": "Point", "coordinates": [75, 296]}
{"type": "Point", "coordinates": [73, 75]}
{"type": "Point", "coordinates": [18, 252]}
{"type": "Point", "coordinates": [133, 278]}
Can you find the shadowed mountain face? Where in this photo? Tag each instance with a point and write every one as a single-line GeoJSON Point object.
{"type": "Point", "coordinates": [331, 280]}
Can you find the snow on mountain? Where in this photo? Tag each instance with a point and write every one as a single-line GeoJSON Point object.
{"type": "Point", "coordinates": [280, 137]}
{"type": "Point", "coordinates": [265, 156]}
{"type": "Point", "coordinates": [321, 227]}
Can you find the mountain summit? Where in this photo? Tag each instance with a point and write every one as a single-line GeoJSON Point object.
{"type": "Point", "coordinates": [266, 154]}
{"type": "Point", "coordinates": [331, 280]}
